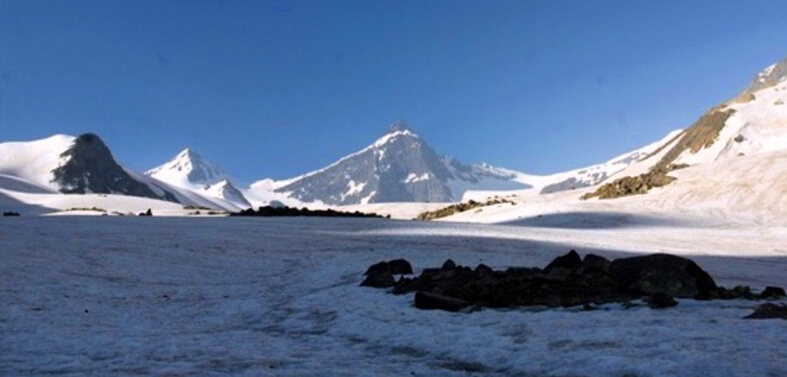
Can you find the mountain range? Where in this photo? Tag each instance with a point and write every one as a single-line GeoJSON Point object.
{"type": "Point", "coordinates": [400, 166]}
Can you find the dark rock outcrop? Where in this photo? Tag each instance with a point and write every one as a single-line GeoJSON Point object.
{"type": "Point", "coordinates": [568, 280]}
{"type": "Point", "coordinates": [270, 211]}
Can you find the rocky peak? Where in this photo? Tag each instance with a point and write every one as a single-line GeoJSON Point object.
{"type": "Point", "coordinates": [398, 125]}
{"type": "Point", "coordinates": [88, 167]}
{"type": "Point", "coordinates": [768, 77]}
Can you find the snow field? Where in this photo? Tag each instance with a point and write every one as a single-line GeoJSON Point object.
{"type": "Point", "coordinates": [271, 297]}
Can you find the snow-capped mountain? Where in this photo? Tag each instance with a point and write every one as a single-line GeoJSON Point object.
{"type": "Point", "coordinates": [190, 171]}
{"type": "Point", "coordinates": [227, 191]}
{"type": "Point", "coordinates": [84, 165]}
{"type": "Point", "coordinates": [71, 165]}
{"type": "Point", "coordinates": [398, 167]}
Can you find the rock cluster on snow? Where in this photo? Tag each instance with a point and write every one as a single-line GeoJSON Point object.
{"type": "Point", "coordinates": [569, 280]}
{"type": "Point", "coordinates": [270, 211]}
{"type": "Point", "coordinates": [626, 186]}
{"type": "Point", "coordinates": [460, 207]}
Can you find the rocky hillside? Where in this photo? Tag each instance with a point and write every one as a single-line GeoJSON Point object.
{"type": "Point", "coordinates": [88, 167]}
{"type": "Point", "coordinates": [753, 122]}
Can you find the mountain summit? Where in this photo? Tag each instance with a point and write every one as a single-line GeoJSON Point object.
{"type": "Point", "coordinates": [190, 171]}
{"type": "Point", "coordinates": [398, 167]}
{"type": "Point", "coordinates": [768, 77]}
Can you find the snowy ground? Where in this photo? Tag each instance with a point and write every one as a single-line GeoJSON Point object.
{"type": "Point", "coordinates": [99, 296]}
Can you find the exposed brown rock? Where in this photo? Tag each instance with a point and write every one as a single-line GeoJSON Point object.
{"type": "Point", "coordinates": [626, 186]}
{"type": "Point", "coordinates": [702, 134]}
{"type": "Point", "coordinates": [460, 207]}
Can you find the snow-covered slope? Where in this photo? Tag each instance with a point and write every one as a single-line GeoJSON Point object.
{"type": "Point", "coordinates": [34, 161]}
{"type": "Point", "coordinates": [398, 167]}
{"type": "Point", "coordinates": [188, 170]}
{"type": "Point", "coordinates": [737, 167]}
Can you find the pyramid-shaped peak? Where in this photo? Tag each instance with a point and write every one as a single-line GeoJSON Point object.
{"type": "Point", "coordinates": [399, 126]}
{"type": "Point", "coordinates": [190, 154]}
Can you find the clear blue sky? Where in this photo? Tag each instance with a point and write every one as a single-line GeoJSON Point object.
{"type": "Point", "coordinates": [278, 88]}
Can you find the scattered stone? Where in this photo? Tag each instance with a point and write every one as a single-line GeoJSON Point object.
{"type": "Point", "coordinates": [431, 301]}
{"type": "Point", "coordinates": [449, 265]}
{"type": "Point", "coordinates": [662, 301]}
{"type": "Point", "coordinates": [768, 311]}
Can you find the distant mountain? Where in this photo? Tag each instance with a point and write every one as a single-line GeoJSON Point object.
{"type": "Point", "coordinates": [190, 171]}
{"type": "Point", "coordinates": [85, 165]}
{"type": "Point", "coordinates": [227, 191]}
{"type": "Point", "coordinates": [399, 167]}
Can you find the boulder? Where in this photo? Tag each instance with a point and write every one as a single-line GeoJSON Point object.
{"type": "Point", "coordinates": [768, 311]}
{"type": "Point", "coordinates": [662, 301]}
{"type": "Point", "coordinates": [379, 280]}
{"type": "Point", "coordinates": [662, 273]}
{"type": "Point", "coordinates": [564, 265]}
{"type": "Point", "coordinates": [431, 301]}
{"type": "Point", "coordinates": [595, 263]}
{"type": "Point", "coordinates": [400, 267]}
{"type": "Point", "coordinates": [772, 292]}
{"type": "Point", "coordinates": [394, 267]}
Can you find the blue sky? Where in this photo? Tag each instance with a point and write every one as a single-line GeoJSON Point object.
{"type": "Point", "coordinates": [278, 88]}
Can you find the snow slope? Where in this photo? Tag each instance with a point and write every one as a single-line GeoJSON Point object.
{"type": "Point", "coordinates": [34, 161]}
{"type": "Point", "coordinates": [153, 296]}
